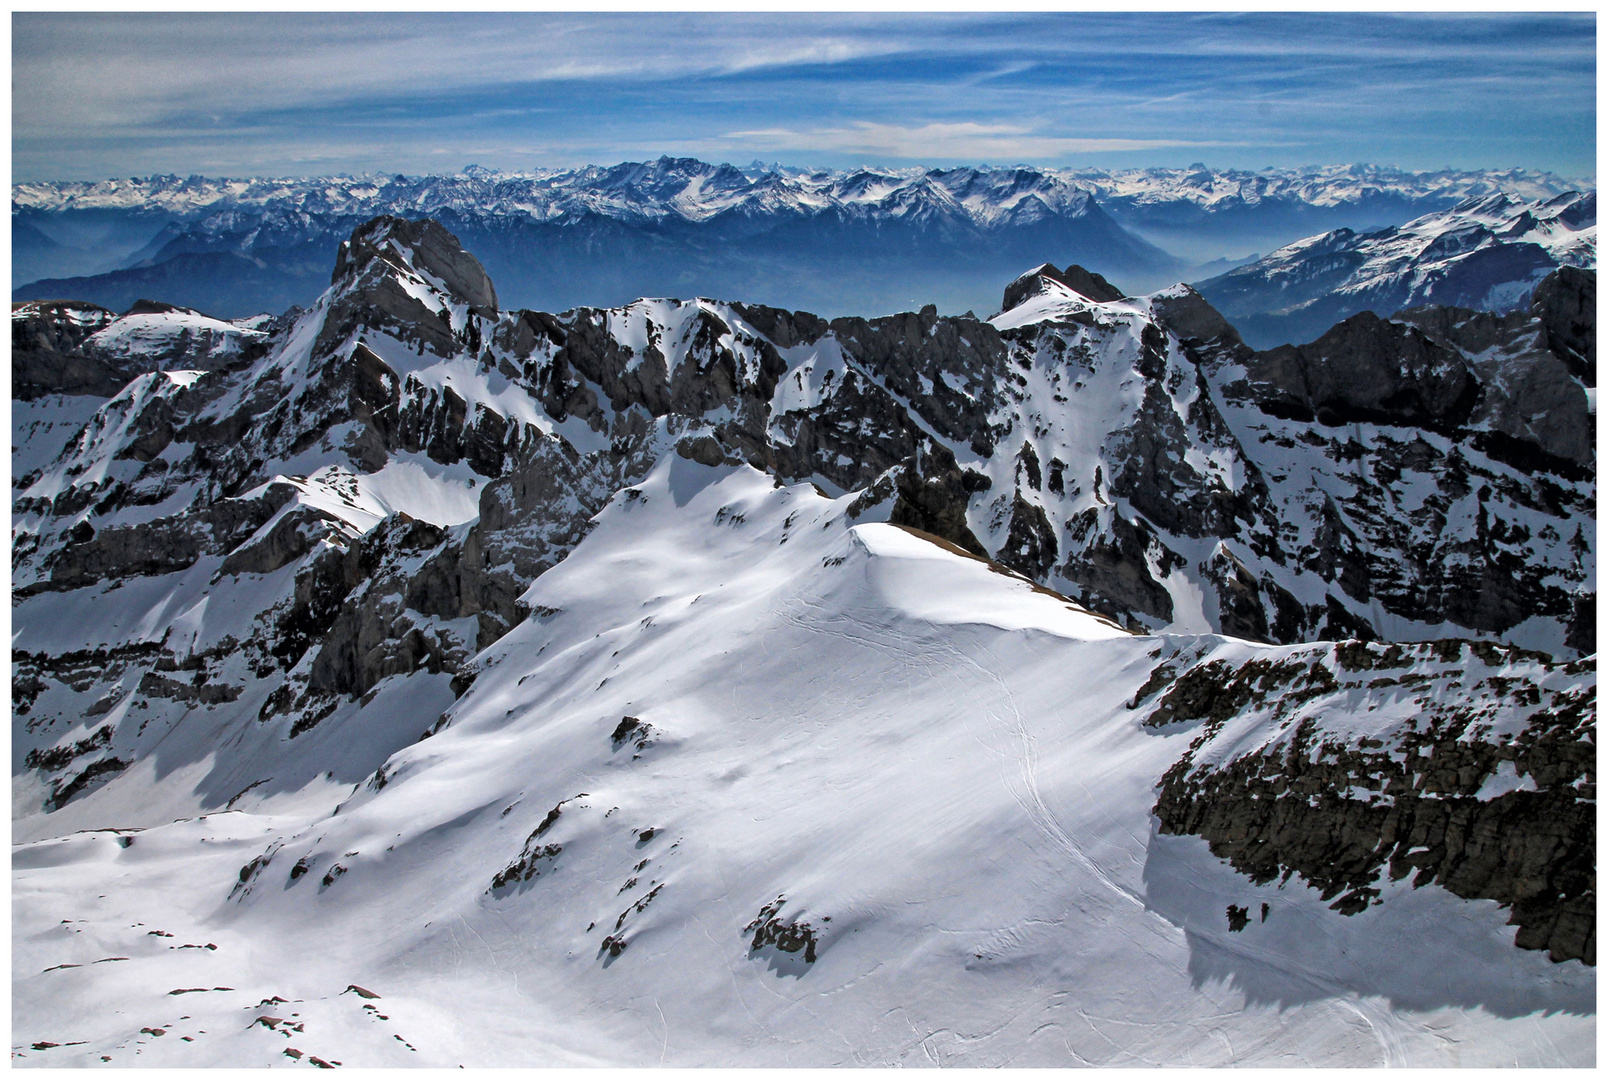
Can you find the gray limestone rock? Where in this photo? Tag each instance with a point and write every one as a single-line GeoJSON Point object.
{"type": "Point", "coordinates": [1342, 812]}
{"type": "Point", "coordinates": [1368, 369]}
{"type": "Point", "coordinates": [1081, 281]}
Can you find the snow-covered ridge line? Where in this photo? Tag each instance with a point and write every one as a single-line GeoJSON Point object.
{"type": "Point", "coordinates": [1045, 429]}
{"type": "Point", "coordinates": [1487, 253]}
{"type": "Point", "coordinates": [74, 348]}
{"type": "Point", "coordinates": [693, 189]}
{"type": "Point", "coordinates": [1564, 225]}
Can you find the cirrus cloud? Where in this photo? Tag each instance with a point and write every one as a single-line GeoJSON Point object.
{"type": "Point", "coordinates": [95, 95]}
{"type": "Point", "coordinates": [942, 142]}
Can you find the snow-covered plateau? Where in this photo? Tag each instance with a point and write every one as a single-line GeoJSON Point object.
{"type": "Point", "coordinates": [419, 682]}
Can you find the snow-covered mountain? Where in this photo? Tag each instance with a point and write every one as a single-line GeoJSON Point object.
{"type": "Point", "coordinates": [1203, 214]}
{"type": "Point", "coordinates": [1317, 186]}
{"type": "Point", "coordinates": [696, 682]}
{"type": "Point", "coordinates": [838, 242]}
{"type": "Point", "coordinates": [1129, 452]}
{"type": "Point", "coordinates": [70, 347]}
{"type": "Point", "coordinates": [74, 347]}
{"type": "Point", "coordinates": [694, 189]}
{"type": "Point", "coordinates": [761, 786]}
{"type": "Point", "coordinates": [1485, 253]}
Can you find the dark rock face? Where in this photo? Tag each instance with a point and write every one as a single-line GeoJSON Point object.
{"type": "Point", "coordinates": [46, 351]}
{"type": "Point", "coordinates": [1566, 305]}
{"type": "Point", "coordinates": [1110, 569]}
{"type": "Point", "coordinates": [1372, 401]}
{"type": "Point", "coordinates": [424, 246]}
{"type": "Point", "coordinates": [379, 281]}
{"type": "Point", "coordinates": [1030, 546]}
{"type": "Point", "coordinates": [1188, 315]}
{"type": "Point", "coordinates": [1505, 814]}
{"type": "Point", "coordinates": [1242, 610]}
{"type": "Point", "coordinates": [372, 636]}
{"type": "Point", "coordinates": [1369, 370]}
{"type": "Point", "coordinates": [958, 358]}
{"type": "Point", "coordinates": [1152, 471]}
{"type": "Point", "coordinates": [932, 497]}
{"type": "Point", "coordinates": [164, 545]}
{"type": "Point", "coordinates": [1081, 281]}
{"type": "Point", "coordinates": [1531, 411]}
{"type": "Point", "coordinates": [92, 776]}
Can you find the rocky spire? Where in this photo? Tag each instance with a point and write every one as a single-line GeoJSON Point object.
{"type": "Point", "coordinates": [425, 247]}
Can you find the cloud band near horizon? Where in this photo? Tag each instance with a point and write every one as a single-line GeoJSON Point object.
{"type": "Point", "coordinates": [286, 94]}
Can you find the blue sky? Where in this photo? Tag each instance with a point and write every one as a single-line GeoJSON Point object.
{"type": "Point", "coordinates": [299, 94]}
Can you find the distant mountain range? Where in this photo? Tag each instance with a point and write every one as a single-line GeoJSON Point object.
{"type": "Point", "coordinates": [857, 241]}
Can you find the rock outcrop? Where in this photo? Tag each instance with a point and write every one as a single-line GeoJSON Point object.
{"type": "Point", "coordinates": [1488, 789]}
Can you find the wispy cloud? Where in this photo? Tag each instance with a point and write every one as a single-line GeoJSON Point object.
{"type": "Point", "coordinates": [98, 94]}
{"type": "Point", "coordinates": [146, 69]}
{"type": "Point", "coordinates": [941, 142]}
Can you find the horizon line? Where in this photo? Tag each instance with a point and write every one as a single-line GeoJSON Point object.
{"type": "Point", "coordinates": [776, 166]}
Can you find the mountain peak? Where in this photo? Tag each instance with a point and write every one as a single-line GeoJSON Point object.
{"type": "Point", "coordinates": [1085, 283]}
{"type": "Point", "coordinates": [424, 247]}
{"type": "Point", "coordinates": [158, 307]}
{"type": "Point", "coordinates": [1191, 316]}
{"type": "Point", "coordinates": [410, 573]}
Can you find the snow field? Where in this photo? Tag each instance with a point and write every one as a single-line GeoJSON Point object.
{"type": "Point", "coordinates": [928, 763]}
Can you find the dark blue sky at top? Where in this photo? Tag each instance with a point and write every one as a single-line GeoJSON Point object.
{"type": "Point", "coordinates": [297, 94]}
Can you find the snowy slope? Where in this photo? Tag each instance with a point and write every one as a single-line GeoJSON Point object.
{"type": "Point", "coordinates": [81, 349]}
{"type": "Point", "coordinates": [173, 333]}
{"type": "Point", "coordinates": [879, 804]}
{"type": "Point", "coordinates": [41, 429]}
